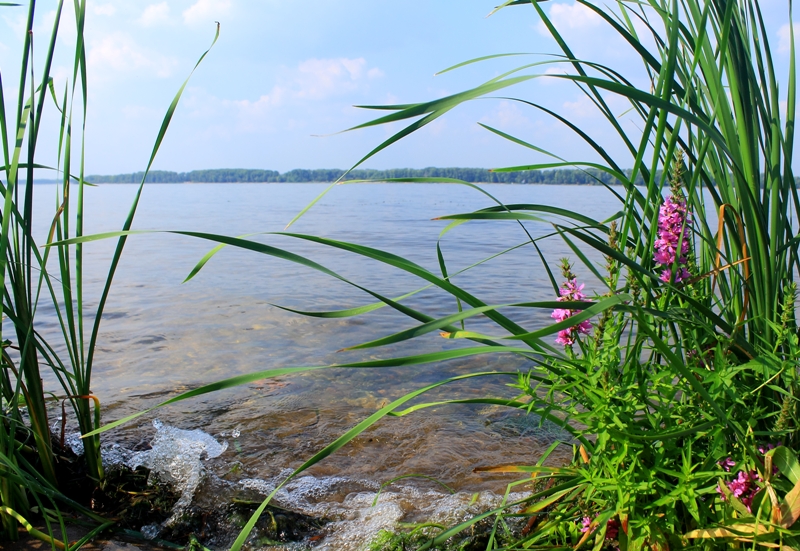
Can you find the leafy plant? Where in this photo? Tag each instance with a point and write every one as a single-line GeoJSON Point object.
{"type": "Point", "coordinates": [27, 456]}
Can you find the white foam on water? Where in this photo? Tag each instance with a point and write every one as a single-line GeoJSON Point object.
{"type": "Point", "coordinates": [75, 443]}
{"type": "Point", "coordinates": [176, 458]}
{"type": "Point", "coordinates": [114, 456]}
{"type": "Point", "coordinates": [356, 521]}
{"type": "Point", "coordinates": [150, 531]}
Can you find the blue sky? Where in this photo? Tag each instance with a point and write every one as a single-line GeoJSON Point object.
{"type": "Point", "coordinates": [283, 73]}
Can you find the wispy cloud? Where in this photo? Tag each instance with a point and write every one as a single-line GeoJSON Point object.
{"type": "Point", "coordinates": [305, 87]}
{"type": "Point", "coordinates": [120, 53]}
{"type": "Point", "coordinates": [582, 108]}
{"type": "Point", "coordinates": [571, 16]}
{"type": "Point", "coordinates": [321, 78]}
{"type": "Point", "coordinates": [206, 11]}
{"type": "Point", "coordinates": [506, 115]}
{"type": "Point", "coordinates": [155, 14]}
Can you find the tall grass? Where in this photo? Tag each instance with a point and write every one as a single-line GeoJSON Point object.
{"type": "Point", "coordinates": [32, 276]}
{"type": "Point", "coordinates": [682, 400]}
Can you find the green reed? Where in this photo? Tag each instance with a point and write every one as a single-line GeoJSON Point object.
{"type": "Point", "coordinates": [28, 474]}
{"type": "Point", "coordinates": [682, 402]}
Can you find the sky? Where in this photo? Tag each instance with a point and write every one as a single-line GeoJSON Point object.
{"type": "Point", "coordinates": [280, 84]}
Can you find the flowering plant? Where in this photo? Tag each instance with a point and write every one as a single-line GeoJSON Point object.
{"type": "Point", "coordinates": [570, 292]}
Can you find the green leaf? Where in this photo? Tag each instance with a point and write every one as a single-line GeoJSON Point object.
{"type": "Point", "coordinates": [786, 461]}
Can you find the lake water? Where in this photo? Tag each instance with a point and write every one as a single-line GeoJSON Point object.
{"type": "Point", "coordinates": [161, 336]}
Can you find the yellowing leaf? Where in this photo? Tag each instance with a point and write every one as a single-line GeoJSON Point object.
{"type": "Point", "coordinates": [733, 531]}
{"type": "Point", "coordinates": [790, 507]}
{"type": "Point", "coordinates": [524, 469]}
{"type": "Point", "coordinates": [539, 505]}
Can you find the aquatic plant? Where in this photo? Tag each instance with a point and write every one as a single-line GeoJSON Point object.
{"type": "Point", "coordinates": [29, 479]}
{"type": "Point", "coordinates": [693, 362]}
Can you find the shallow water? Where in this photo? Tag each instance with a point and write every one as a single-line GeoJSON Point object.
{"type": "Point", "coordinates": [160, 336]}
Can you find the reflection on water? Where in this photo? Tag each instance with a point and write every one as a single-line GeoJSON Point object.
{"type": "Point", "coordinates": [160, 336]}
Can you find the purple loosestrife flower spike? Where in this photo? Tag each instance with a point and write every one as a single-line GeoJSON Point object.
{"type": "Point", "coordinates": [672, 236]}
{"type": "Point", "coordinates": [570, 292]}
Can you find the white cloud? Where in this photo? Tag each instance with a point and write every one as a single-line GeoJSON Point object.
{"type": "Point", "coordinates": [66, 25]}
{"type": "Point", "coordinates": [17, 24]}
{"type": "Point", "coordinates": [104, 9]}
{"type": "Point", "coordinates": [206, 11]}
{"type": "Point", "coordinates": [119, 52]}
{"type": "Point", "coordinates": [155, 14]}
{"type": "Point", "coordinates": [320, 78]}
{"type": "Point", "coordinates": [506, 115]}
{"type": "Point", "coordinates": [307, 85]}
{"type": "Point", "coordinates": [237, 116]}
{"type": "Point", "coordinates": [783, 36]}
{"type": "Point", "coordinates": [259, 107]}
{"type": "Point", "coordinates": [571, 16]}
{"type": "Point", "coordinates": [582, 108]}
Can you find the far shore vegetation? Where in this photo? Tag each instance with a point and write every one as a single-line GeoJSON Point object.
{"type": "Point", "coordinates": [326, 175]}
{"type": "Point", "coordinates": [472, 175]}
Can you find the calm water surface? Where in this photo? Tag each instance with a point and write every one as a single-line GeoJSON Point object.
{"type": "Point", "coordinates": [161, 336]}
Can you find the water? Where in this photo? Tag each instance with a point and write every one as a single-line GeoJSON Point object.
{"type": "Point", "coordinates": [161, 336]}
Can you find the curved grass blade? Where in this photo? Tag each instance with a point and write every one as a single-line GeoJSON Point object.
{"type": "Point", "coordinates": [428, 327]}
{"type": "Point", "coordinates": [544, 414]}
{"type": "Point", "coordinates": [587, 310]}
{"type": "Point", "coordinates": [479, 59]}
{"type": "Point", "coordinates": [348, 312]}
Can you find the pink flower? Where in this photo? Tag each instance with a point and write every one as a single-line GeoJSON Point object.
{"type": "Point", "coordinates": [612, 527]}
{"type": "Point", "coordinates": [585, 523]}
{"type": "Point", "coordinates": [744, 487]}
{"type": "Point", "coordinates": [672, 233]}
{"type": "Point", "coordinates": [560, 314]}
{"type": "Point", "coordinates": [726, 464]}
{"type": "Point", "coordinates": [763, 449]}
{"type": "Point", "coordinates": [570, 292]}
{"type": "Point", "coordinates": [682, 274]}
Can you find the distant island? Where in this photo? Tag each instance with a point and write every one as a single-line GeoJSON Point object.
{"type": "Point", "coordinates": [474, 175]}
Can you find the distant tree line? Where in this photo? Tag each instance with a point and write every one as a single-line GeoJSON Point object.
{"type": "Point", "coordinates": [477, 175]}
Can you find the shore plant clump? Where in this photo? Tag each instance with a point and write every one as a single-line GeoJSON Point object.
{"type": "Point", "coordinates": [40, 478]}
{"type": "Point", "coordinates": [681, 402]}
